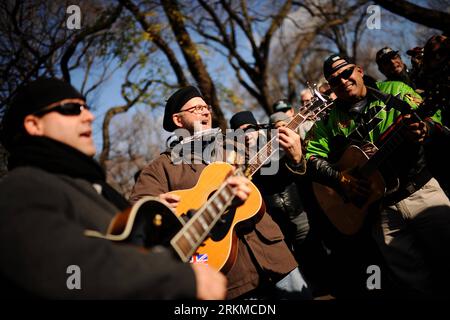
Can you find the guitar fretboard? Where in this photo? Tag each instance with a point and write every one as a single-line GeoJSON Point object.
{"type": "Point", "coordinates": [393, 142]}
{"type": "Point", "coordinates": [266, 152]}
{"type": "Point", "coordinates": [195, 231]}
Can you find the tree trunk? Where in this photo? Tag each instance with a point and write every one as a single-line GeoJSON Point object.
{"type": "Point", "coordinates": [193, 60]}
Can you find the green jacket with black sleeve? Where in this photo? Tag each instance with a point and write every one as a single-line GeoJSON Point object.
{"type": "Point", "coordinates": [344, 126]}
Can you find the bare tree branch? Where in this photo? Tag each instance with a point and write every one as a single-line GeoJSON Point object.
{"type": "Point", "coordinates": [158, 40]}
{"type": "Point", "coordinates": [193, 58]}
{"type": "Point", "coordinates": [104, 155]}
{"type": "Point", "coordinates": [427, 17]}
{"type": "Point", "coordinates": [101, 24]}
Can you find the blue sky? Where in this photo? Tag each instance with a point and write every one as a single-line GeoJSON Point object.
{"type": "Point", "coordinates": [400, 37]}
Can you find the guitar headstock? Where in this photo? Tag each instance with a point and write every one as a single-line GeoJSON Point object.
{"type": "Point", "coordinates": [435, 98]}
{"type": "Point", "coordinates": [438, 96]}
{"type": "Point", "coordinates": [316, 106]}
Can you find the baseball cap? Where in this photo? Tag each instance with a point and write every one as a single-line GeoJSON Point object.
{"type": "Point", "coordinates": [414, 52]}
{"type": "Point", "coordinates": [279, 116]}
{"type": "Point", "coordinates": [281, 105]}
{"type": "Point", "coordinates": [385, 53]}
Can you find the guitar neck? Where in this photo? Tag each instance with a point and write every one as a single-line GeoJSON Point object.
{"type": "Point", "coordinates": [266, 152]}
{"type": "Point", "coordinates": [261, 157]}
{"type": "Point", "coordinates": [393, 142]}
{"type": "Point", "coordinates": [195, 231]}
{"type": "Point", "coordinates": [382, 154]}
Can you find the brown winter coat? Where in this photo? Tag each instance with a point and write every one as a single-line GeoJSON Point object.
{"type": "Point", "coordinates": [264, 242]}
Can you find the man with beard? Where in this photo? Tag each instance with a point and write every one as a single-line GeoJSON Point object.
{"type": "Point", "coordinates": [264, 267]}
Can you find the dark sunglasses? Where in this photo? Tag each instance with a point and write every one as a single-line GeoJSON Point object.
{"type": "Point", "coordinates": [336, 81]}
{"type": "Point", "coordinates": [388, 58]}
{"type": "Point", "coordinates": [252, 127]}
{"type": "Point", "coordinates": [67, 109]}
{"type": "Point", "coordinates": [248, 129]}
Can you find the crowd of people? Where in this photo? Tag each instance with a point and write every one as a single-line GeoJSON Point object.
{"type": "Point", "coordinates": [376, 151]}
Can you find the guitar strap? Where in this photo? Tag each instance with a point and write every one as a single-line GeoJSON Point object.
{"type": "Point", "coordinates": [391, 101]}
{"type": "Point", "coordinates": [368, 121]}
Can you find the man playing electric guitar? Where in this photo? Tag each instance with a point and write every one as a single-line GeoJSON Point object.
{"type": "Point", "coordinates": [413, 227]}
{"type": "Point", "coordinates": [54, 191]}
{"type": "Point", "coordinates": [264, 265]}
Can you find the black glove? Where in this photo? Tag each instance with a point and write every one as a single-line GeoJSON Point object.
{"type": "Point", "coordinates": [321, 171]}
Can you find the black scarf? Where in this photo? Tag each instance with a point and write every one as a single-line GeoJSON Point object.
{"type": "Point", "coordinates": [59, 158]}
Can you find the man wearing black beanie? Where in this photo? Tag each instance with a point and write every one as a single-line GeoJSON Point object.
{"type": "Point", "coordinates": [54, 192]}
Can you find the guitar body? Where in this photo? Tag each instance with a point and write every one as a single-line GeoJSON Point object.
{"type": "Point", "coordinates": [148, 223]}
{"type": "Point", "coordinates": [347, 217]}
{"type": "Point", "coordinates": [209, 235]}
{"type": "Point", "coordinates": [221, 246]}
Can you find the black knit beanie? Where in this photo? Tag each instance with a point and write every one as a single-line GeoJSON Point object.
{"type": "Point", "coordinates": [241, 118]}
{"type": "Point", "coordinates": [31, 98]}
{"type": "Point", "coordinates": [176, 102]}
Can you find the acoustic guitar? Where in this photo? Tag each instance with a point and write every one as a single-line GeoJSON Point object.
{"type": "Point", "coordinates": [348, 216]}
{"type": "Point", "coordinates": [209, 234]}
{"type": "Point", "coordinates": [210, 199]}
{"type": "Point", "coordinates": [220, 247]}
{"type": "Point", "coordinates": [206, 236]}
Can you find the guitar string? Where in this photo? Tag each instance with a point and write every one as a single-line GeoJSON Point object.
{"type": "Point", "coordinates": [268, 148]}
{"type": "Point", "coordinates": [298, 119]}
{"type": "Point", "coordinates": [200, 213]}
{"type": "Point", "coordinates": [388, 146]}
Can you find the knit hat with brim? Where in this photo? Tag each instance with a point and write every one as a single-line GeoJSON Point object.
{"type": "Point", "coordinates": [384, 54]}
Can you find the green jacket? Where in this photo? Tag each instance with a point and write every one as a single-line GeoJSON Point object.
{"type": "Point", "coordinates": [404, 169]}
{"type": "Point", "coordinates": [340, 122]}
